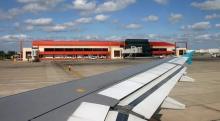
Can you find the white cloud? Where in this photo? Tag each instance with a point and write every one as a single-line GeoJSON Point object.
{"type": "Point", "coordinates": [13, 37]}
{"type": "Point", "coordinates": [217, 25]}
{"type": "Point", "coordinates": [29, 6]}
{"type": "Point", "coordinates": [91, 37]}
{"type": "Point", "coordinates": [83, 20]}
{"type": "Point", "coordinates": [133, 26]}
{"type": "Point", "coordinates": [183, 27]}
{"type": "Point", "coordinates": [203, 36]}
{"type": "Point", "coordinates": [68, 25]}
{"type": "Point", "coordinates": [151, 18]}
{"type": "Point", "coordinates": [39, 22]}
{"type": "Point", "coordinates": [84, 5]}
{"type": "Point", "coordinates": [16, 24]}
{"type": "Point", "coordinates": [26, 1]}
{"type": "Point", "coordinates": [200, 25]}
{"type": "Point", "coordinates": [152, 36]}
{"type": "Point", "coordinates": [4, 15]}
{"type": "Point", "coordinates": [207, 5]}
{"type": "Point", "coordinates": [39, 5]}
{"type": "Point", "coordinates": [162, 2]}
{"type": "Point", "coordinates": [34, 7]}
{"type": "Point", "coordinates": [56, 28]}
{"type": "Point", "coordinates": [101, 17]}
{"type": "Point", "coordinates": [175, 17]}
{"type": "Point", "coordinates": [115, 21]}
{"type": "Point", "coordinates": [29, 27]}
{"type": "Point", "coordinates": [114, 5]}
{"type": "Point", "coordinates": [212, 16]}
{"type": "Point", "coordinates": [14, 11]}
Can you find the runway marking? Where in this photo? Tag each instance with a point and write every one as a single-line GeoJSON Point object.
{"type": "Point", "coordinates": [80, 90]}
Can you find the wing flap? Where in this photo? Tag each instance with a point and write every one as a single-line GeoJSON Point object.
{"type": "Point", "coordinates": [133, 98]}
{"type": "Point", "coordinates": [150, 104]}
{"type": "Point", "coordinates": [89, 112]}
{"type": "Point", "coordinates": [123, 89]}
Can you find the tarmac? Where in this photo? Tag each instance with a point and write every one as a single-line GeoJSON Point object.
{"type": "Point", "coordinates": [202, 97]}
{"type": "Point", "coordinates": [17, 77]}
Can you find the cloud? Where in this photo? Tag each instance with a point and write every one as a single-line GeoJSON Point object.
{"type": "Point", "coordinates": [200, 25]}
{"type": "Point", "coordinates": [26, 1]}
{"type": "Point", "coordinates": [101, 17]}
{"type": "Point", "coordinates": [197, 26]}
{"type": "Point", "coordinates": [29, 27]}
{"type": "Point", "coordinates": [84, 5]}
{"type": "Point", "coordinates": [115, 21]}
{"type": "Point", "coordinates": [212, 16]}
{"type": "Point", "coordinates": [34, 7]}
{"type": "Point", "coordinates": [207, 5]}
{"type": "Point", "coordinates": [10, 14]}
{"type": "Point", "coordinates": [151, 18]}
{"type": "Point", "coordinates": [114, 5]}
{"type": "Point", "coordinates": [39, 22]}
{"type": "Point", "coordinates": [133, 26]}
{"type": "Point", "coordinates": [67, 25]}
{"type": "Point", "coordinates": [84, 20]}
{"type": "Point", "coordinates": [4, 15]}
{"type": "Point", "coordinates": [91, 37]}
{"type": "Point", "coordinates": [162, 2]}
{"type": "Point", "coordinates": [175, 17]}
{"type": "Point", "coordinates": [152, 36]}
{"type": "Point", "coordinates": [56, 28]}
{"type": "Point", "coordinates": [16, 24]}
{"type": "Point", "coordinates": [217, 25]}
{"type": "Point", "coordinates": [13, 37]}
{"type": "Point", "coordinates": [29, 6]}
{"type": "Point", "coordinates": [203, 36]}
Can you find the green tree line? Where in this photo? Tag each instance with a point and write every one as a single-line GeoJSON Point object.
{"type": "Point", "coordinates": [6, 55]}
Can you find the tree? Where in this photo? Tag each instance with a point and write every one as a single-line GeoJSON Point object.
{"type": "Point", "coordinates": [2, 55]}
{"type": "Point", "coordinates": [10, 53]}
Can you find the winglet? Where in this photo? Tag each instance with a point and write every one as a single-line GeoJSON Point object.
{"type": "Point", "coordinates": [189, 55]}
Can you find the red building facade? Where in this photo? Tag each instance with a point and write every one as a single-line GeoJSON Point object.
{"type": "Point", "coordinates": [48, 50]}
{"type": "Point", "coordinates": [59, 50]}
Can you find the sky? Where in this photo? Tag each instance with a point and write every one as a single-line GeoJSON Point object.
{"type": "Point", "coordinates": [194, 21]}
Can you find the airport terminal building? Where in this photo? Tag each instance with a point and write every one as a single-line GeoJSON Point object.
{"type": "Point", "coordinates": [58, 50]}
{"type": "Point", "coordinates": [70, 50]}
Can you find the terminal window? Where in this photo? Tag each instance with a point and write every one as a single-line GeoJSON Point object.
{"type": "Point", "coordinates": [116, 53]}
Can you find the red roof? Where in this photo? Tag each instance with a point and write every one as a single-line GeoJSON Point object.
{"type": "Point", "coordinates": [161, 44]}
{"type": "Point", "coordinates": [89, 43]}
{"type": "Point", "coordinates": [76, 43]}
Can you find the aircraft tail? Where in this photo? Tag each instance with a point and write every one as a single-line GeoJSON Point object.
{"type": "Point", "coordinates": [189, 55]}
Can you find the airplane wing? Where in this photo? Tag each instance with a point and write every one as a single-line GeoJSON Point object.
{"type": "Point", "coordinates": [129, 94]}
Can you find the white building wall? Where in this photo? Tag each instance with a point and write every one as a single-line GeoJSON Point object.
{"type": "Point", "coordinates": [178, 51]}
{"type": "Point", "coordinates": [116, 49]}
{"type": "Point", "coordinates": [24, 50]}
